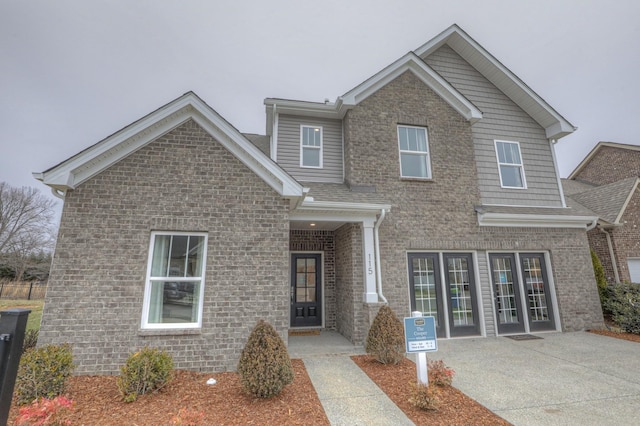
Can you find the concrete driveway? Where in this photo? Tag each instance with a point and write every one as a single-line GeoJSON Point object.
{"type": "Point", "coordinates": [562, 379]}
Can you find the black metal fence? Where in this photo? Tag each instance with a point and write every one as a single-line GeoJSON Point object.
{"type": "Point", "coordinates": [29, 290]}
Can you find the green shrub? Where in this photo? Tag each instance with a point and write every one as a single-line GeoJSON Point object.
{"type": "Point", "coordinates": [424, 397]}
{"type": "Point", "coordinates": [264, 365]}
{"type": "Point", "coordinates": [30, 340]}
{"type": "Point", "coordinates": [43, 372]}
{"type": "Point", "coordinates": [439, 373]}
{"type": "Point", "coordinates": [385, 341]}
{"type": "Point", "coordinates": [147, 370]}
{"type": "Point", "coordinates": [623, 304]}
{"type": "Point", "coordinates": [598, 272]}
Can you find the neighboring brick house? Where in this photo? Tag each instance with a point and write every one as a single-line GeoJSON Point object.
{"type": "Point", "coordinates": [431, 186]}
{"type": "Point", "coordinates": [606, 182]}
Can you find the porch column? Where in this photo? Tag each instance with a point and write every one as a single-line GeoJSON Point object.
{"type": "Point", "coordinates": [370, 293]}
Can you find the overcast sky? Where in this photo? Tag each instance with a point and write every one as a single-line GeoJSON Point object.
{"type": "Point", "coordinates": [73, 71]}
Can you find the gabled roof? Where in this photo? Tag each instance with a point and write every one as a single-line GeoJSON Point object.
{"type": "Point", "coordinates": [93, 160]}
{"type": "Point", "coordinates": [409, 62]}
{"type": "Point", "coordinates": [609, 201]}
{"type": "Point", "coordinates": [595, 150]}
{"type": "Point", "coordinates": [554, 124]}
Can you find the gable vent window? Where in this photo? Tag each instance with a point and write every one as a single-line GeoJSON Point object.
{"type": "Point", "coordinates": [414, 152]}
{"type": "Point", "coordinates": [510, 165]}
{"type": "Point", "coordinates": [311, 146]}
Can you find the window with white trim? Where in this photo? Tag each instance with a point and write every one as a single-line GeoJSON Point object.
{"type": "Point", "coordinates": [510, 165]}
{"type": "Point", "coordinates": [634, 269]}
{"type": "Point", "coordinates": [414, 152]}
{"type": "Point", "coordinates": [175, 280]}
{"type": "Point", "coordinates": [311, 146]}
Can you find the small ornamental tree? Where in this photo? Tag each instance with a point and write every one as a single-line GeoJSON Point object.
{"type": "Point", "coordinates": [385, 341]}
{"type": "Point", "coordinates": [264, 366]}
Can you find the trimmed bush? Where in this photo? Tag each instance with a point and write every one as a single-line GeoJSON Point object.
{"type": "Point", "coordinates": [424, 397]}
{"type": "Point", "coordinates": [439, 373]}
{"type": "Point", "coordinates": [264, 365]}
{"type": "Point", "coordinates": [147, 370]}
{"type": "Point", "coordinates": [385, 341]}
{"type": "Point", "coordinates": [623, 304]}
{"type": "Point", "coordinates": [43, 373]}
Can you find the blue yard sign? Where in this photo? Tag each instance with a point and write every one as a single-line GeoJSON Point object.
{"type": "Point", "coordinates": [420, 334]}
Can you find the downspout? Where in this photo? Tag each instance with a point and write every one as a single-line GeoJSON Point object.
{"type": "Point", "coordinates": [376, 238]}
{"type": "Point", "coordinates": [552, 143]}
{"type": "Point", "coordinates": [274, 135]}
{"type": "Point", "coordinates": [614, 264]}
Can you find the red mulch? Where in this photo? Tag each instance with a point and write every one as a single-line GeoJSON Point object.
{"type": "Point", "coordinates": [455, 407]}
{"type": "Point", "coordinates": [97, 401]}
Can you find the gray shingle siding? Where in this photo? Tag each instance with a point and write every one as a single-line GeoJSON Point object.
{"type": "Point", "coordinates": [289, 149]}
{"type": "Point", "coordinates": [502, 120]}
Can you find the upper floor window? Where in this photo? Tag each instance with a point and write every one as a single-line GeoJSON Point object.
{"type": "Point", "coordinates": [414, 152]}
{"type": "Point", "coordinates": [510, 165]}
{"type": "Point", "coordinates": [311, 146]}
{"type": "Point", "coordinates": [175, 280]}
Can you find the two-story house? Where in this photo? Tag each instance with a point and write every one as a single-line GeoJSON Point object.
{"type": "Point", "coordinates": [431, 186]}
{"type": "Point", "coordinates": [606, 182]}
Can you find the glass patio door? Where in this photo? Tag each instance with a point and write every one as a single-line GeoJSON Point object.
{"type": "Point", "coordinates": [538, 293]}
{"type": "Point", "coordinates": [432, 288]}
{"type": "Point", "coordinates": [506, 293]}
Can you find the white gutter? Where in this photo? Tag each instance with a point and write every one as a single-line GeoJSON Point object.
{"type": "Point", "coordinates": [376, 238]}
{"type": "Point", "coordinates": [614, 264]}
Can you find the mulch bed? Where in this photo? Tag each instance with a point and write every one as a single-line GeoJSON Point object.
{"type": "Point", "coordinates": [455, 408]}
{"type": "Point", "coordinates": [618, 335]}
{"type": "Point", "coordinates": [97, 402]}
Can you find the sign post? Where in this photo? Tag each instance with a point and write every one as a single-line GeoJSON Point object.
{"type": "Point", "coordinates": [420, 338]}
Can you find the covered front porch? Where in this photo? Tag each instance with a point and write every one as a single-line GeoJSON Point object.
{"type": "Point", "coordinates": [334, 267]}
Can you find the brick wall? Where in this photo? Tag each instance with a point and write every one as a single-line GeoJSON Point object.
{"type": "Point", "coordinates": [349, 283]}
{"type": "Point", "coordinates": [626, 239]}
{"type": "Point", "coordinates": [438, 214]}
{"type": "Point", "coordinates": [610, 165]}
{"type": "Point", "coordinates": [184, 181]}
{"type": "Point", "coordinates": [321, 241]}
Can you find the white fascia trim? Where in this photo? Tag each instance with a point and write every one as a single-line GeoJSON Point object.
{"type": "Point", "coordinates": [309, 204]}
{"type": "Point", "coordinates": [455, 35]}
{"type": "Point", "coordinates": [536, 221]}
{"type": "Point", "coordinates": [310, 109]}
{"type": "Point", "coordinates": [411, 62]}
{"type": "Point", "coordinates": [97, 158]}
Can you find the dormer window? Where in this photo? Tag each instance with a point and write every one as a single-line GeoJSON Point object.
{"type": "Point", "coordinates": [414, 152]}
{"type": "Point", "coordinates": [510, 165]}
{"type": "Point", "coordinates": [311, 146]}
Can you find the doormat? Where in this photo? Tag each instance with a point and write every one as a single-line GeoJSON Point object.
{"type": "Point", "coordinates": [296, 333]}
{"type": "Point", "coordinates": [523, 337]}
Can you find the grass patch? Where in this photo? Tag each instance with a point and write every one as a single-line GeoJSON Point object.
{"type": "Point", "coordinates": [33, 323]}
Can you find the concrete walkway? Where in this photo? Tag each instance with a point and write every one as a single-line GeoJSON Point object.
{"type": "Point", "coordinates": [347, 394]}
{"type": "Point", "coordinates": [562, 379]}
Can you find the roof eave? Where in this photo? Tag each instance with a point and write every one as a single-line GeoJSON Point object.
{"type": "Point", "coordinates": [535, 221]}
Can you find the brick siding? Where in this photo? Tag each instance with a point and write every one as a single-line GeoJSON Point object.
{"type": "Point", "coordinates": [183, 181]}
{"type": "Point", "coordinates": [610, 164]}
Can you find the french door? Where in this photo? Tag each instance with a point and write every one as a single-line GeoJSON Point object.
{"type": "Point", "coordinates": [443, 286]}
{"type": "Point", "coordinates": [306, 290]}
{"type": "Point", "coordinates": [511, 279]}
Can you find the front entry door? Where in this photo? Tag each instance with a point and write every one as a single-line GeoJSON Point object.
{"type": "Point", "coordinates": [306, 290]}
{"type": "Point", "coordinates": [538, 311]}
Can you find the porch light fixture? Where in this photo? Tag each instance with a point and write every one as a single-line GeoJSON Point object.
{"type": "Point", "coordinates": [312, 225]}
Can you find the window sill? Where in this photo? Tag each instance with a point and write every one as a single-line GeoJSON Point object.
{"type": "Point", "coordinates": [415, 179]}
{"type": "Point", "coordinates": [169, 332]}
